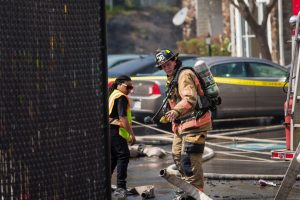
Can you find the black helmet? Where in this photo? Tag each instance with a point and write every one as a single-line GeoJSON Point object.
{"type": "Point", "coordinates": [163, 56]}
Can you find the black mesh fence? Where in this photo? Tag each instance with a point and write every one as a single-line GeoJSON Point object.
{"type": "Point", "coordinates": [53, 113]}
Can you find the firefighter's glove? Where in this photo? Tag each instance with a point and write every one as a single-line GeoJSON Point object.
{"type": "Point", "coordinates": [163, 120]}
{"type": "Point", "coordinates": [172, 115]}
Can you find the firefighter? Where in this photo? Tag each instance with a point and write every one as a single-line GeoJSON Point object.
{"type": "Point", "coordinates": [120, 130]}
{"type": "Point", "coordinates": [189, 123]}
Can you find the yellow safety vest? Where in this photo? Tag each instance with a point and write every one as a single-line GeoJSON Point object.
{"type": "Point", "coordinates": [111, 101]}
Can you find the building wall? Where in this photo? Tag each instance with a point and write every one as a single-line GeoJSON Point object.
{"type": "Point", "coordinates": [226, 17]}
{"type": "Point", "coordinates": [287, 13]}
{"type": "Point", "coordinates": [209, 17]}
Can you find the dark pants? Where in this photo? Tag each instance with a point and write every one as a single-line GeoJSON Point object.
{"type": "Point", "coordinates": [119, 157]}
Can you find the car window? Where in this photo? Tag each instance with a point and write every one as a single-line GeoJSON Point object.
{"type": "Point", "coordinates": [118, 62]}
{"type": "Point", "coordinates": [265, 70]}
{"type": "Point", "coordinates": [189, 62]}
{"type": "Point", "coordinates": [116, 59]}
{"type": "Point", "coordinates": [149, 69]}
{"type": "Point", "coordinates": [159, 73]}
{"type": "Point", "coordinates": [229, 70]}
{"type": "Point", "coordinates": [135, 66]}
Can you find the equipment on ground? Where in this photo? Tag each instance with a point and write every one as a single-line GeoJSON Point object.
{"type": "Point", "coordinates": [145, 191]}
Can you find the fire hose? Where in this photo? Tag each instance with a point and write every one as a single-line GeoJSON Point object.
{"type": "Point", "coordinates": [188, 188]}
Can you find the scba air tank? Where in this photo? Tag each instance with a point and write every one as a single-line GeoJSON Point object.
{"type": "Point", "coordinates": [211, 88]}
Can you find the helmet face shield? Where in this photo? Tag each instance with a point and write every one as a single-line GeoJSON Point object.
{"type": "Point", "coordinates": [163, 56]}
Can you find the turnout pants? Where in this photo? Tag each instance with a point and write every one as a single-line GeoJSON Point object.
{"type": "Point", "coordinates": [120, 155]}
{"type": "Point", "coordinates": [187, 151]}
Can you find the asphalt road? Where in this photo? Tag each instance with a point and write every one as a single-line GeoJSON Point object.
{"type": "Point", "coordinates": [145, 170]}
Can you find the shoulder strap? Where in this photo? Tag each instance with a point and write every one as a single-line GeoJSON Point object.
{"type": "Point", "coordinates": [198, 76]}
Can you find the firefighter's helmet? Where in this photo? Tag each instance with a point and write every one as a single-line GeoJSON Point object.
{"type": "Point", "coordinates": [164, 55]}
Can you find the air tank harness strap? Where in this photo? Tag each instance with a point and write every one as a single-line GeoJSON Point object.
{"type": "Point", "coordinates": [188, 117]}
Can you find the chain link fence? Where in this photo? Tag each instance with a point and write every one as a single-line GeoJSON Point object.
{"type": "Point", "coordinates": [53, 105]}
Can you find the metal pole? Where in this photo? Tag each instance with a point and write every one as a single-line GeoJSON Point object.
{"type": "Point", "coordinates": [232, 31]}
{"type": "Point", "coordinates": [208, 43]}
{"type": "Point", "coordinates": [281, 43]}
{"type": "Point", "coordinates": [238, 33]}
{"type": "Point", "coordinates": [209, 50]}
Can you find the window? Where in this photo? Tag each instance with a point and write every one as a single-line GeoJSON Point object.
{"type": "Point", "coordinates": [264, 70]}
{"type": "Point", "coordinates": [229, 70]}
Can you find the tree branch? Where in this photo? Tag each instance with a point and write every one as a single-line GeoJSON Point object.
{"type": "Point", "coordinates": [245, 12]}
{"type": "Point", "coordinates": [269, 8]}
{"type": "Point", "coordinates": [252, 5]}
{"type": "Point", "coordinates": [233, 3]}
{"type": "Point", "coordinates": [270, 5]}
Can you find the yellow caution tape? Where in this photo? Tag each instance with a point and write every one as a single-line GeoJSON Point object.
{"type": "Point", "coordinates": [232, 81]}
{"type": "Point", "coordinates": [248, 82]}
{"type": "Point", "coordinates": [149, 78]}
{"type": "Point", "coordinates": [143, 78]}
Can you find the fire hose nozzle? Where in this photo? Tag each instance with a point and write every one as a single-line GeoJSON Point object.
{"type": "Point", "coordinates": [148, 120]}
{"type": "Point", "coordinates": [164, 120]}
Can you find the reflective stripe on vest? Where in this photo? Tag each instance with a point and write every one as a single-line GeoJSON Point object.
{"type": "Point", "coordinates": [193, 123]}
{"type": "Point", "coordinates": [111, 101]}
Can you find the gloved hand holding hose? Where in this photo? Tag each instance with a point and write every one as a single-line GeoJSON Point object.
{"type": "Point", "coordinates": [170, 116]}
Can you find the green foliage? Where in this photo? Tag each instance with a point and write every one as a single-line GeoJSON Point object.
{"type": "Point", "coordinates": [117, 10]}
{"type": "Point", "coordinates": [127, 6]}
{"type": "Point", "coordinates": [219, 46]}
{"type": "Point", "coordinates": [114, 10]}
{"type": "Point", "coordinates": [166, 8]}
